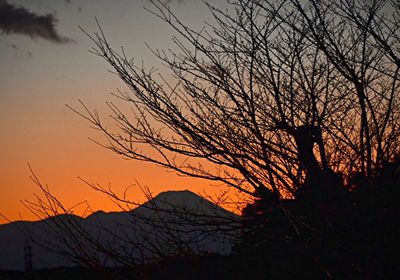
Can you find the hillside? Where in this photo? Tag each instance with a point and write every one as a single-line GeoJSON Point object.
{"type": "Point", "coordinates": [172, 223]}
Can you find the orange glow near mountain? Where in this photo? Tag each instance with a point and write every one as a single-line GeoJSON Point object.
{"type": "Point", "coordinates": [39, 75]}
{"type": "Point", "coordinates": [54, 141]}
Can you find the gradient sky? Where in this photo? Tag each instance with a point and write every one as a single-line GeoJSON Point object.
{"type": "Point", "coordinates": [38, 76]}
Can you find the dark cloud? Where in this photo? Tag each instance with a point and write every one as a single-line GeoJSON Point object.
{"type": "Point", "coordinates": [20, 20]}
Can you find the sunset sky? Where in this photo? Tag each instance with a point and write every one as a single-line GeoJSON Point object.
{"type": "Point", "coordinates": [46, 66]}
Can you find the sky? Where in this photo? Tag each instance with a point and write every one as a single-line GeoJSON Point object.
{"type": "Point", "coordinates": [44, 65]}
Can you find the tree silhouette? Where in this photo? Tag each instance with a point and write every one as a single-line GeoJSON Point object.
{"type": "Point", "coordinates": [273, 96]}
{"type": "Point", "coordinates": [295, 103]}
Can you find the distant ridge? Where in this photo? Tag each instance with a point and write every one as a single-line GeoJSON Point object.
{"type": "Point", "coordinates": [169, 217]}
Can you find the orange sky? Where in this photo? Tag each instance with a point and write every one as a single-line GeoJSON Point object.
{"type": "Point", "coordinates": [54, 141]}
{"type": "Point", "coordinates": [37, 79]}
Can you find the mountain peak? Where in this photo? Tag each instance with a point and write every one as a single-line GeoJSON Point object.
{"type": "Point", "coordinates": [178, 198]}
{"type": "Point", "coordinates": [176, 193]}
{"type": "Point", "coordinates": [182, 215]}
{"type": "Point", "coordinates": [181, 201]}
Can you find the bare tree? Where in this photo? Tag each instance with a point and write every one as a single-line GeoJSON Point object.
{"type": "Point", "coordinates": [272, 95]}
{"type": "Point", "coordinates": [279, 100]}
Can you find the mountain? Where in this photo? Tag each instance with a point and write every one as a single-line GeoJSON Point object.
{"type": "Point", "coordinates": [172, 223]}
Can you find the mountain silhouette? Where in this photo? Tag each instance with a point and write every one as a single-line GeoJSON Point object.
{"type": "Point", "coordinates": [172, 223]}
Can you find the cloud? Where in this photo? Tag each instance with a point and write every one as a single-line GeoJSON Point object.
{"type": "Point", "coordinates": [19, 20]}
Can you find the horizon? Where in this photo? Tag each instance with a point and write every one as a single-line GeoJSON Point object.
{"type": "Point", "coordinates": [91, 212]}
